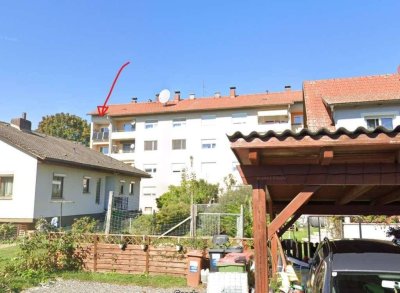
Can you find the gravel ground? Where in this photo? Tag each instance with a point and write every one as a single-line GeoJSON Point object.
{"type": "Point", "coordinates": [67, 286]}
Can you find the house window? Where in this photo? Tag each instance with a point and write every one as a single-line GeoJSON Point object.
{"type": "Point", "coordinates": [148, 210]}
{"type": "Point", "coordinates": [179, 144]}
{"type": "Point", "coordinates": [104, 150]}
{"type": "Point", "coordinates": [6, 186]}
{"type": "Point", "coordinates": [98, 190]}
{"type": "Point", "coordinates": [86, 184]}
{"type": "Point", "coordinates": [149, 191]}
{"type": "Point", "coordinates": [128, 147]}
{"type": "Point", "coordinates": [179, 122]}
{"type": "Point", "coordinates": [132, 188]}
{"type": "Point", "coordinates": [239, 118]}
{"type": "Point", "coordinates": [150, 145]}
{"type": "Point", "coordinates": [273, 116]}
{"type": "Point", "coordinates": [149, 124]}
{"type": "Point", "coordinates": [208, 120]}
{"type": "Point", "coordinates": [129, 127]}
{"type": "Point", "coordinates": [235, 166]}
{"type": "Point", "coordinates": [150, 168]}
{"type": "Point", "coordinates": [178, 168]}
{"type": "Point", "coordinates": [374, 122]}
{"type": "Point", "coordinates": [121, 187]}
{"type": "Point", "coordinates": [298, 120]}
{"type": "Point", "coordinates": [58, 186]}
{"type": "Point", "coordinates": [208, 144]}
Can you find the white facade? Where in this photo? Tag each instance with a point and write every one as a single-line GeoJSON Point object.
{"type": "Point", "coordinates": [165, 144]}
{"type": "Point", "coordinates": [32, 183]}
{"type": "Point", "coordinates": [351, 117]}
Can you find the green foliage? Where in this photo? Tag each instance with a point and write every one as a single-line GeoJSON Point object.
{"type": "Point", "coordinates": [7, 232]}
{"type": "Point", "coordinates": [174, 205]}
{"type": "Point", "coordinates": [230, 202]}
{"type": "Point", "coordinates": [84, 225]}
{"type": "Point", "coordinates": [142, 225]}
{"type": "Point", "coordinates": [66, 126]}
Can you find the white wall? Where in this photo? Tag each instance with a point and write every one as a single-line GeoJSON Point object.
{"type": "Point", "coordinates": [353, 117]}
{"type": "Point", "coordinates": [82, 203]}
{"type": "Point", "coordinates": [368, 231]}
{"type": "Point", "coordinates": [23, 167]}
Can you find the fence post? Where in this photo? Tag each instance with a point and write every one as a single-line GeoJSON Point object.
{"type": "Point", "coordinates": [109, 212]}
{"type": "Point", "coordinates": [95, 240]}
{"type": "Point", "coordinates": [146, 270]}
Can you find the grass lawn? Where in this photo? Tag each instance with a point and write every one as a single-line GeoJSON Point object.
{"type": "Point", "coordinates": [6, 254]}
{"type": "Point", "coordinates": [158, 281]}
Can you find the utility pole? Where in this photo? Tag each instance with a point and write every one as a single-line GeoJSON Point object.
{"type": "Point", "coordinates": [109, 212]}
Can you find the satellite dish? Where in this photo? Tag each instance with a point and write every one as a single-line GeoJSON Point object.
{"type": "Point", "coordinates": [164, 96]}
{"type": "Point", "coordinates": [132, 146]}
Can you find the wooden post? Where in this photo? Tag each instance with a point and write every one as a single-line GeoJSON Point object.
{"type": "Point", "coordinates": [146, 269]}
{"type": "Point", "coordinates": [260, 239]}
{"type": "Point", "coordinates": [109, 212]}
{"type": "Point", "coordinates": [95, 240]}
{"type": "Point", "coordinates": [274, 253]}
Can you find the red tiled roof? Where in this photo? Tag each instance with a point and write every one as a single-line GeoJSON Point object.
{"type": "Point", "coordinates": [206, 104]}
{"type": "Point", "coordinates": [379, 88]}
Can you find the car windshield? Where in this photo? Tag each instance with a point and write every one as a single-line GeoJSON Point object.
{"type": "Point", "coordinates": [354, 282]}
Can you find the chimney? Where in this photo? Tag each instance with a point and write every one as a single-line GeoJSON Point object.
{"type": "Point", "coordinates": [288, 88]}
{"type": "Point", "coordinates": [232, 91]}
{"type": "Point", "coordinates": [217, 95]}
{"type": "Point", "coordinates": [134, 100]}
{"type": "Point", "coordinates": [157, 97]}
{"type": "Point", "coordinates": [22, 123]}
{"type": "Point", "coordinates": [191, 96]}
{"type": "Point", "coordinates": [177, 96]}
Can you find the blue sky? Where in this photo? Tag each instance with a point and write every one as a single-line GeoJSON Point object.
{"type": "Point", "coordinates": [62, 56]}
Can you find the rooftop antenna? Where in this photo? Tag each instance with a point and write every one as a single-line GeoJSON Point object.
{"type": "Point", "coordinates": [164, 96]}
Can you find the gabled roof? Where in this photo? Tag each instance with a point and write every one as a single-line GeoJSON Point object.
{"type": "Point", "coordinates": [56, 150]}
{"type": "Point", "coordinates": [206, 104]}
{"type": "Point", "coordinates": [320, 94]}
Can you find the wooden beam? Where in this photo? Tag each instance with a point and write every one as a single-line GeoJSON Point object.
{"type": "Point", "coordinates": [291, 209]}
{"type": "Point", "coordinates": [387, 198]}
{"type": "Point", "coordinates": [354, 193]}
{"type": "Point", "coordinates": [334, 174]}
{"type": "Point", "coordinates": [254, 157]}
{"type": "Point", "coordinates": [269, 203]}
{"type": "Point", "coordinates": [344, 210]}
{"type": "Point", "coordinates": [326, 157]}
{"type": "Point", "coordinates": [288, 224]}
{"type": "Point", "coordinates": [260, 239]}
{"type": "Point", "coordinates": [398, 157]}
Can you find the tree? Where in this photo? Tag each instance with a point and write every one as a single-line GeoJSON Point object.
{"type": "Point", "coordinates": [66, 126]}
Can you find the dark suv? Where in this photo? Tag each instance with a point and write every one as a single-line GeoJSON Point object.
{"type": "Point", "coordinates": [355, 265]}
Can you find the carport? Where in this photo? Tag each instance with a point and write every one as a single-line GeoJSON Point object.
{"type": "Point", "coordinates": [324, 172]}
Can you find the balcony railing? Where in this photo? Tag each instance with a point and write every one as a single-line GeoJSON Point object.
{"type": "Point", "coordinates": [120, 150]}
{"type": "Point", "coordinates": [100, 136]}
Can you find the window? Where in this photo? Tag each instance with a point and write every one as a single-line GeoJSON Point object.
{"type": "Point", "coordinates": [374, 122]}
{"type": "Point", "coordinates": [104, 129]}
{"type": "Point", "coordinates": [121, 187]}
{"type": "Point", "coordinates": [104, 150]}
{"type": "Point", "coordinates": [129, 127]}
{"type": "Point", "coordinates": [298, 119]}
{"type": "Point", "coordinates": [148, 210]}
{"type": "Point", "coordinates": [58, 186]}
{"type": "Point", "coordinates": [86, 184]}
{"type": "Point", "coordinates": [208, 120]}
{"type": "Point", "coordinates": [235, 166]}
{"type": "Point", "coordinates": [128, 147]}
{"type": "Point", "coordinates": [239, 118]}
{"type": "Point", "coordinates": [150, 145]}
{"type": "Point", "coordinates": [150, 168]}
{"type": "Point", "coordinates": [98, 189]}
{"type": "Point", "coordinates": [132, 188]}
{"type": "Point", "coordinates": [149, 124]}
{"type": "Point", "coordinates": [149, 191]}
{"type": "Point", "coordinates": [208, 144]}
{"type": "Point", "coordinates": [178, 168]}
{"type": "Point", "coordinates": [6, 185]}
{"type": "Point", "coordinates": [273, 116]}
{"type": "Point", "coordinates": [179, 122]}
{"type": "Point", "coordinates": [179, 144]}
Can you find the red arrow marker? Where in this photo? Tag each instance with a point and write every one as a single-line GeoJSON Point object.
{"type": "Point", "coordinates": [102, 110]}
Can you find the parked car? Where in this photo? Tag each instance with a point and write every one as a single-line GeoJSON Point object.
{"type": "Point", "coordinates": [355, 265]}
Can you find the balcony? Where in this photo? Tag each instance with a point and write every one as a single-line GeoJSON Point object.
{"type": "Point", "coordinates": [99, 136]}
{"type": "Point", "coordinates": [122, 134]}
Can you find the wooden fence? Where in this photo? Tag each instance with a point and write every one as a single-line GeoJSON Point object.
{"type": "Point", "coordinates": [299, 250]}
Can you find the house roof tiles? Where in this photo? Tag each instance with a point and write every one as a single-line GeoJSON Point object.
{"type": "Point", "coordinates": [52, 149]}
{"type": "Point", "coordinates": [205, 104]}
{"type": "Point", "coordinates": [320, 94]}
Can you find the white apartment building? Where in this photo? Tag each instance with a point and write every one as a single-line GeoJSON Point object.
{"type": "Point", "coordinates": [164, 139]}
